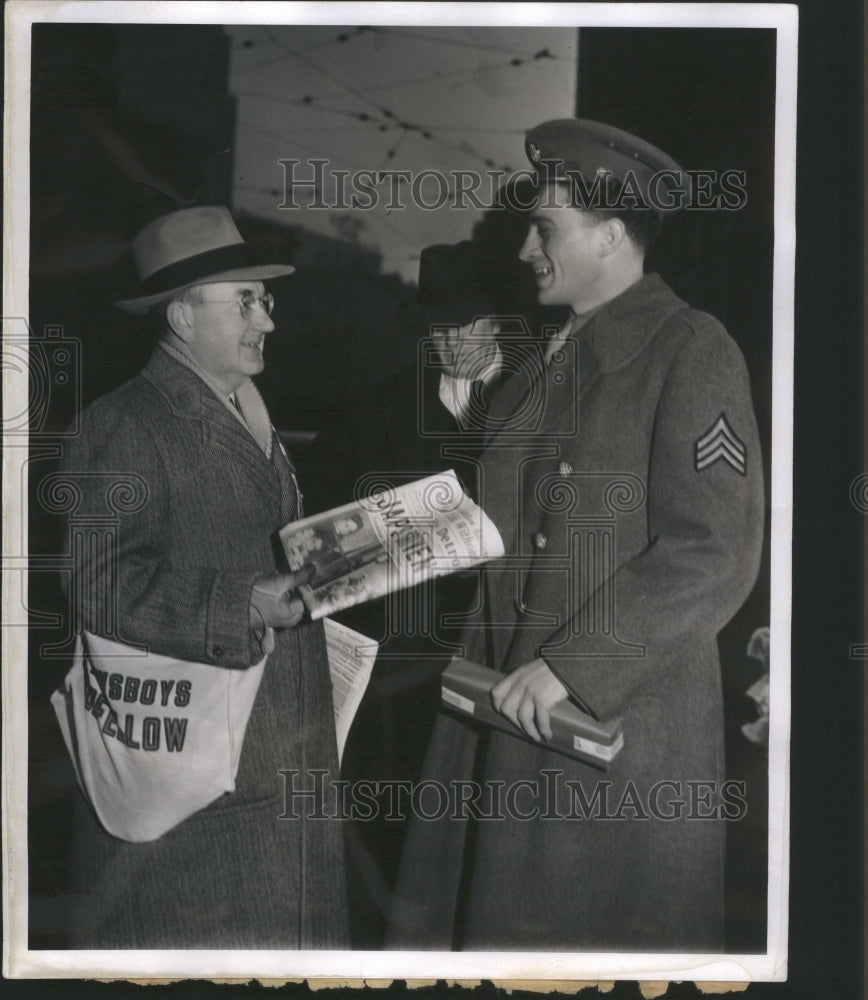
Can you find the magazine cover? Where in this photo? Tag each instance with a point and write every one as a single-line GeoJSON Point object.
{"type": "Point", "coordinates": [389, 540]}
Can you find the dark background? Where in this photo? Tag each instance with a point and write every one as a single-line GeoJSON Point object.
{"type": "Point", "coordinates": [827, 929]}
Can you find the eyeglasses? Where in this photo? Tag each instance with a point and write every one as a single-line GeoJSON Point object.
{"type": "Point", "coordinates": [247, 300]}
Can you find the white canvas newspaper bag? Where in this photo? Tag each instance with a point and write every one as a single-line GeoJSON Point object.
{"type": "Point", "coordinates": [152, 739]}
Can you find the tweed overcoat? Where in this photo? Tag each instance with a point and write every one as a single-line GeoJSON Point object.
{"type": "Point", "coordinates": [626, 480]}
{"type": "Point", "coordinates": [236, 874]}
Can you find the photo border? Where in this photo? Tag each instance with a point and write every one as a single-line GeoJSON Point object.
{"type": "Point", "coordinates": [19, 961]}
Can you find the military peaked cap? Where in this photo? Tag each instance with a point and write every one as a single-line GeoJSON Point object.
{"type": "Point", "coordinates": [579, 151]}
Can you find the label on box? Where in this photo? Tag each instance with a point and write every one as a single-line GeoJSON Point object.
{"type": "Point", "coordinates": [457, 700]}
{"type": "Point", "coordinates": [597, 749]}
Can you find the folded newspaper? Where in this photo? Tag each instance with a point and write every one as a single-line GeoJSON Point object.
{"type": "Point", "coordinates": [395, 537]}
{"type": "Point", "coordinates": [466, 689]}
{"type": "Point", "coordinates": [351, 658]}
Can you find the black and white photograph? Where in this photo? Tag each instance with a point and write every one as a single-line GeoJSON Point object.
{"type": "Point", "coordinates": [267, 260]}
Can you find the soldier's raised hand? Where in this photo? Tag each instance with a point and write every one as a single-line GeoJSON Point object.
{"type": "Point", "coordinates": [469, 351]}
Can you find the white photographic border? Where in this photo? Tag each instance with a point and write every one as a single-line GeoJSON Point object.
{"type": "Point", "coordinates": [19, 961]}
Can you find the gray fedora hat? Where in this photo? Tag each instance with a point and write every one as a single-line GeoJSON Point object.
{"type": "Point", "coordinates": [192, 246]}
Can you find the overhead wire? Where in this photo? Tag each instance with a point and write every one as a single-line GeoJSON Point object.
{"type": "Point", "coordinates": [389, 122]}
{"type": "Point", "coordinates": [544, 53]}
{"type": "Point", "coordinates": [338, 39]}
{"type": "Point", "coordinates": [349, 87]}
{"type": "Point", "coordinates": [437, 77]}
{"type": "Point", "coordinates": [402, 33]}
{"type": "Point", "coordinates": [385, 119]}
{"type": "Point", "coordinates": [392, 120]}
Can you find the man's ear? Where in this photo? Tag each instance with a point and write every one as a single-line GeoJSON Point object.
{"type": "Point", "coordinates": [179, 316]}
{"type": "Point", "coordinates": [611, 235]}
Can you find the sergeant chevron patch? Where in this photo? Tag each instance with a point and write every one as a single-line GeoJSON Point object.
{"type": "Point", "coordinates": [721, 443]}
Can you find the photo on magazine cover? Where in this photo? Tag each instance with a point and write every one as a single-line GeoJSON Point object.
{"type": "Point", "coordinates": [393, 481]}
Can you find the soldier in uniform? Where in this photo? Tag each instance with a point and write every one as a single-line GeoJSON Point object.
{"type": "Point", "coordinates": [622, 467]}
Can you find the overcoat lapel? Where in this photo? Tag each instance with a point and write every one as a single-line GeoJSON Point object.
{"type": "Point", "coordinates": [190, 398]}
{"type": "Point", "coordinates": [630, 321]}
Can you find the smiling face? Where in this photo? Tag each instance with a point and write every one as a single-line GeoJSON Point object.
{"type": "Point", "coordinates": [346, 526]}
{"type": "Point", "coordinates": [565, 248]}
{"type": "Point", "coordinates": [225, 343]}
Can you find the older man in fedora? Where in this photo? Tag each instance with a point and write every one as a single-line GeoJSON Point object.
{"type": "Point", "coordinates": [622, 467]}
{"type": "Point", "coordinates": [195, 578]}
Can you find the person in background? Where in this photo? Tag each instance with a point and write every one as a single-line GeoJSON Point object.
{"type": "Point", "coordinates": [407, 436]}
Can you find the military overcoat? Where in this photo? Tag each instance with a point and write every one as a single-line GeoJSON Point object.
{"type": "Point", "coordinates": [626, 479]}
{"type": "Point", "coordinates": [248, 871]}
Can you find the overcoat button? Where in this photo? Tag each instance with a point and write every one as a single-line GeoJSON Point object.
{"type": "Point", "coordinates": [565, 468]}
{"type": "Point", "coordinates": [539, 540]}
{"type": "Point", "coordinates": [217, 651]}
